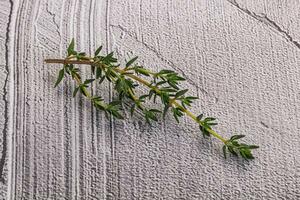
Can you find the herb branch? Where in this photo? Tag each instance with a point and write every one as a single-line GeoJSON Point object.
{"type": "Point", "coordinates": [164, 85]}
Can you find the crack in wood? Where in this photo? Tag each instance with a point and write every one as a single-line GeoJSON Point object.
{"type": "Point", "coordinates": [158, 55]}
{"type": "Point", "coordinates": [263, 18]}
{"type": "Point", "coordinates": [53, 18]}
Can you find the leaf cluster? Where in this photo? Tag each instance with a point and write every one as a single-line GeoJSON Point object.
{"type": "Point", "coordinates": [112, 108]}
{"type": "Point", "coordinates": [235, 148]}
{"type": "Point", "coordinates": [206, 124]}
{"type": "Point", "coordinates": [163, 85]}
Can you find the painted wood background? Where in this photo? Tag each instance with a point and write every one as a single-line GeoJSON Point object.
{"type": "Point", "coordinates": [240, 57]}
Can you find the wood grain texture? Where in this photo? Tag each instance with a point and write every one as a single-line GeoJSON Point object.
{"type": "Point", "coordinates": [5, 17]}
{"type": "Point", "coordinates": [239, 57]}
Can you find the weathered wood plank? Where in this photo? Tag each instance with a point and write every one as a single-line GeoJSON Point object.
{"type": "Point", "coordinates": [5, 17]}
{"type": "Point", "coordinates": [53, 157]}
{"type": "Point", "coordinates": [246, 73]}
{"type": "Point", "coordinates": [240, 58]}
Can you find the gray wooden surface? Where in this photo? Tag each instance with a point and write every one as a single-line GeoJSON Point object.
{"type": "Point", "coordinates": [240, 57]}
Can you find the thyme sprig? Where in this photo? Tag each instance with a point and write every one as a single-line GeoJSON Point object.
{"type": "Point", "coordinates": [163, 85]}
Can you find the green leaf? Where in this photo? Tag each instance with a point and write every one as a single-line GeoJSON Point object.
{"type": "Point", "coordinates": [246, 153]}
{"type": "Point", "coordinates": [191, 98]}
{"type": "Point", "coordinates": [70, 49]}
{"type": "Point", "coordinates": [179, 78]}
{"type": "Point", "coordinates": [155, 110]}
{"type": "Point", "coordinates": [98, 72]}
{"type": "Point", "coordinates": [231, 150]}
{"type": "Point", "coordinates": [180, 93]}
{"type": "Point", "coordinates": [60, 76]}
{"type": "Point", "coordinates": [199, 117]}
{"type": "Point", "coordinates": [173, 84]}
{"type": "Point", "coordinates": [130, 62]}
{"type": "Point", "coordinates": [236, 137]}
{"type": "Point", "coordinates": [81, 54]}
{"type": "Point", "coordinates": [98, 51]}
{"type": "Point", "coordinates": [110, 55]}
{"type": "Point", "coordinates": [115, 103]}
{"type": "Point", "coordinates": [165, 71]}
{"type": "Point", "coordinates": [88, 81]}
{"type": "Point", "coordinates": [102, 79]}
{"type": "Point", "coordinates": [74, 73]}
{"type": "Point", "coordinates": [116, 114]}
{"type": "Point", "coordinates": [212, 124]}
{"type": "Point", "coordinates": [75, 91]}
{"type": "Point", "coordinates": [143, 97]}
{"type": "Point", "coordinates": [82, 89]}
{"type": "Point", "coordinates": [151, 93]}
{"type": "Point", "coordinates": [224, 151]}
{"type": "Point", "coordinates": [209, 119]}
{"type": "Point", "coordinates": [176, 117]}
{"type": "Point", "coordinates": [160, 83]}
{"type": "Point", "coordinates": [141, 71]}
{"type": "Point", "coordinates": [150, 115]}
{"type": "Point", "coordinates": [165, 99]}
{"type": "Point", "coordinates": [204, 131]}
{"type": "Point", "coordinates": [93, 69]}
{"type": "Point", "coordinates": [109, 59]}
{"type": "Point", "coordinates": [97, 98]}
{"type": "Point", "coordinates": [168, 90]}
{"type": "Point", "coordinates": [177, 113]}
{"type": "Point", "coordinates": [253, 147]}
{"type": "Point", "coordinates": [166, 108]}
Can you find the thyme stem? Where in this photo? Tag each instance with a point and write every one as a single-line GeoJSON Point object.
{"type": "Point", "coordinates": [163, 84]}
{"type": "Point", "coordinates": [140, 80]}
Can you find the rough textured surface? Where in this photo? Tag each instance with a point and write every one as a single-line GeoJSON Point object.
{"type": "Point", "coordinates": [4, 99]}
{"type": "Point", "coordinates": [240, 57]}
